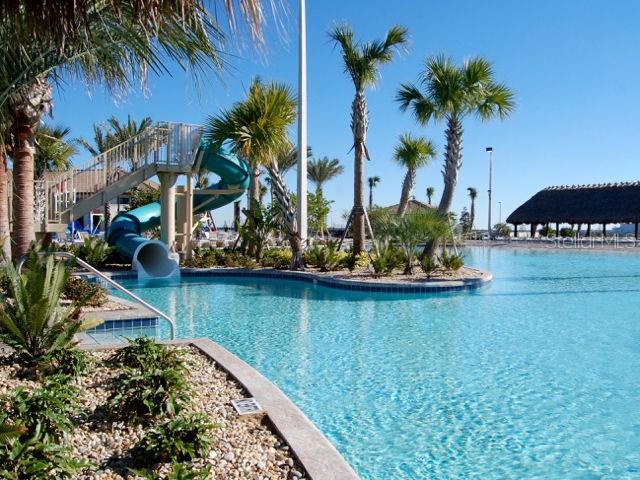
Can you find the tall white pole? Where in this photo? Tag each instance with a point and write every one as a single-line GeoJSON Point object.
{"type": "Point", "coordinates": [302, 127]}
{"type": "Point", "coordinates": [490, 151]}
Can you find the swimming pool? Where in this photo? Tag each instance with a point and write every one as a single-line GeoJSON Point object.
{"type": "Point", "coordinates": [534, 377]}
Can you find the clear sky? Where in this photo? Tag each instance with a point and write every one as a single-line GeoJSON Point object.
{"type": "Point", "coordinates": [572, 63]}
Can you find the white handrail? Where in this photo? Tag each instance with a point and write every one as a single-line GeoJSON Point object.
{"type": "Point", "coordinates": [113, 283]}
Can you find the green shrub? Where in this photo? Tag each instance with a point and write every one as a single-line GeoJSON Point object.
{"type": "Point", "coordinates": [78, 289]}
{"type": "Point", "coordinates": [238, 260]}
{"type": "Point", "coordinates": [206, 258]}
{"type": "Point", "coordinates": [351, 261]}
{"type": "Point", "coordinates": [567, 232]}
{"type": "Point", "coordinates": [65, 361]}
{"type": "Point", "coordinates": [451, 261]}
{"type": "Point", "coordinates": [39, 457]}
{"type": "Point", "coordinates": [279, 258]}
{"type": "Point", "coordinates": [94, 251]}
{"type": "Point", "coordinates": [428, 265]}
{"type": "Point", "coordinates": [49, 409]}
{"type": "Point", "coordinates": [153, 381]}
{"type": "Point", "coordinates": [149, 393]}
{"type": "Point", "coordinates": [144, 352]}
{"type": "Point", "coordinates": [326, 258]}
{"type": "Point", "coordinates": [547, 232]}
{"type": "Point", "coordinates": [180, 439]}
{"type": "Point", "coordinates": [387, 259]}
{"type": "Point", "coordinates": [34, 323]}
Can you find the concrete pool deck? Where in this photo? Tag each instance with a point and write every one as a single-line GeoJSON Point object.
{"type": "Point", "coordinates": [310, 447]}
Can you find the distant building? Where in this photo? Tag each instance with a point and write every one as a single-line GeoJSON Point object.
{"type": "Point", "coordinates": [581, 205]}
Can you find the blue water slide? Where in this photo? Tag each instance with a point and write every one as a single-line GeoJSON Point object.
{"type": "Point", "coordinates": [152, 257]}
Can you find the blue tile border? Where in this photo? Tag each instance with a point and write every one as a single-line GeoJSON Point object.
{"type": "Point", "coordinates": [124, 323]}
{"type": "Point", "coordinates": [438, 286]}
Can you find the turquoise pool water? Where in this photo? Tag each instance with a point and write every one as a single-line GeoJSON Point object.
{"type": "Point", "coordinates": [534, 377]}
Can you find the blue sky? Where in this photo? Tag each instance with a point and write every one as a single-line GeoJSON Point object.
{"type": "Point", "coordinates": [572, 65]}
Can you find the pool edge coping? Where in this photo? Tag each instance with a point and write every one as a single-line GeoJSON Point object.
{"type": "Point", "coordinates": [317, 455]}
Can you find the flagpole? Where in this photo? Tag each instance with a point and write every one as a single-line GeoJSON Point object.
{"type": "Point", "coordinates": [302, 126]}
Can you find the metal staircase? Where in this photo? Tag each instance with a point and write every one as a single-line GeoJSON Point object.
{"type": "Point", "coordinates": [66, 196]}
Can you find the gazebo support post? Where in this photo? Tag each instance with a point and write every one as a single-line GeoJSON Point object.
{"type": "Point", "coordinates": [557, 229]}
{"type": "Point", "coordinates": [588, 229]}
{"type": "Point", "coordinates": [604, 230]}
{"type": "Point", "coordinates": [515, 230]}
{"type": "Point", "coordinates": [533, 230]}
{"type": "Point", "coordinates": [636, 230]}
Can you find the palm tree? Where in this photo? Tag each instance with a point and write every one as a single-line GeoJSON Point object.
{"type": "Point", "coordinates": [412, 154]}
{"type": "Point", "coordinates": [256, 129]}
{"type": "Point", "coordinates": [362, 62]}
{"type": "Point", "coordinates": [473, 193]}
{"type": "Point", "coordinates": [105, 137]}
{"type": "Point", "coordinates": [450, 93]}
{"type": "Point", "coordinates": [322, 170]}
{"type": "Point", "coordinates": [114, 48]}
{"type": "Point", "coordinates": [121, 132]}
{"type": "Point", "coordinates": [319, 172]}
{"type": "Point", "coordinates": [373, 181]}
{"type": "Point", "coordinates": [430, 192]}
{"type": "Point", "coordinates": [290, 159]}
{"type": "Point", "coordinates": [53, 149]}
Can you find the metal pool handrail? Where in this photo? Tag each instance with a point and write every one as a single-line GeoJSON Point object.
{"type": "Point", "coordinates": [113, 283]}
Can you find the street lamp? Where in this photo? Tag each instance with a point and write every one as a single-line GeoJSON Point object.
{"type": "Point", "coordinates": [302, 126]}
{"type": "Point", "coordinates": [489, 150]}
{"type": "Point", "coordinates": [499, 212]}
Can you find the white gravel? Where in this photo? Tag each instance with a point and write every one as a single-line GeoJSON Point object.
{"type": "Point", "coordinates": [242, 447]}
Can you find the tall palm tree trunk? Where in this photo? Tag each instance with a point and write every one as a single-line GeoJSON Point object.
{"type": "Point", "coordinates": [5, 233]}
{"type": "Point", "coordinates": [23, 150]}
{"type": "Point", "coordinates": [283, 200]}
{"type": "Point", "coordinates": [472, 213]}
{"type": "Point", "coordinates": [407, 185]}
{"type": "Point", "coordinates": [254, 187]}
{"type": "Point", "coordinates": [26, 108]}
{"type": "Point", "coordinates": [452, 164]}
{"type": "Point", "coordinates": [359, 125]}
{"type": "Point", "coordinates": [370, 197]}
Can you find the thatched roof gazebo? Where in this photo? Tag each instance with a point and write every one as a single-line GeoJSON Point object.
{"type": "Point", "coordinates": [581, 204]}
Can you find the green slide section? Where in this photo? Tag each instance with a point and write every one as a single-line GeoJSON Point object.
{"type": "Point", "coordinates": [152, 257]}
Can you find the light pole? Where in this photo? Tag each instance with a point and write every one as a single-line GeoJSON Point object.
{"type": "Point", "coordinates": [302, 126]}
{"type": "Point", "coordinates": [489, 150]}
{"type": "Point", "coordinates": [499, 212]}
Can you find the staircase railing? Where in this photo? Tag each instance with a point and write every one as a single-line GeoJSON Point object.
{"type": "Point", "coordinates": [113, 283]}
{"type": "Point", "coordinates": [164, 144]}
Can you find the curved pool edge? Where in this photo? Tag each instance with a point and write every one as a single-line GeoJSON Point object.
{"type": "Point", "coordinates": [318, 456]}
{"type": "Point", "coordinates": [430, 286]}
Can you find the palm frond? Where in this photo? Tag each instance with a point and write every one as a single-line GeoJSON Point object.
{"type": "Point", "coordinates": [413, 152]}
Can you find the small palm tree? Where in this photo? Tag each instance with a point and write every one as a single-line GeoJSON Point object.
{"type": "Point", "coordinates": [256, 129]}
{"type": "Point", "coordinates": [362, 62]}
{"type": "Point", "coordinates": [322, 170]}
{"type": "Point", "coordinates": [430, 192]}
{"type": "Point", "coordinates": [411, 153]}
{"type": "Point", "coordinates": [53, 149]}
{"type": "Point", "coordinates": [451, 93]}
{"type": "Point", "coordinates": [373, 182]}
{"type": "Point", "coordinates": [290, 159]}
{"type": "Point", "coordinates": [33, 322]}
{"type": "Point", "coordinates": [473, 193]}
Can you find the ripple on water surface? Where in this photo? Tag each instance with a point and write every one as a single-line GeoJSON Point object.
{"type": "Point", "coordinates": [534, 377]}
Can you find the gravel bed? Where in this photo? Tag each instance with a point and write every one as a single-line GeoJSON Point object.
{"type": "Point", "coordinates": [242, 447]}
